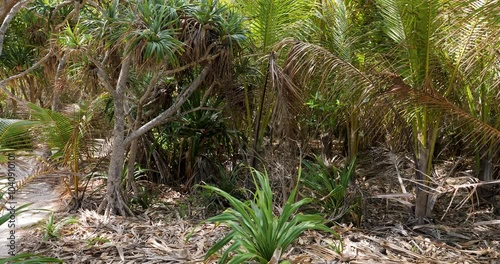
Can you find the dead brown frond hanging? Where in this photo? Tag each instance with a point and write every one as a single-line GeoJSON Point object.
{"type": "Point", "coordinates": [196, 38]}
{"type": "Point", "coordinates": [289, 98]}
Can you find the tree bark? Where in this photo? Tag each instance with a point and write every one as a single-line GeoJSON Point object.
{"type": "Point", "coordinates": [486, 193]}
{"type": "Point", "coordinates": [5, 7]}
{"type": "Point", "coordinates": [424, 200]}
{"type": "Point", "coordinates": [134, 146]}
{"type": "Point", "coordinates": [114, 202]}
{"type": "Point", "coordinates": [8, 9]}
{"type": "Point", "coordinates": [172, 110]}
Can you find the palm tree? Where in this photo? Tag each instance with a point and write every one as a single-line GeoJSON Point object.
{"type": "Point", "coordinates": [473, 52]}
{"type": "Point", "coordinates": [334, 64]}
{"type": "Point", "coordinates": [431, 68]}
{"type": "Point", "coordinates": [70, 136]}
{"type": "Point", "coordinates": [416, 71]}
{"type": "Point", "coordinates": [269, 22]}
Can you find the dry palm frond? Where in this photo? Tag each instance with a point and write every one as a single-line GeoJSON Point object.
{"type": "Point", "coordinates": [289, 97]}
{"type": "Point", "coordinates": [307, 62]}
{"type": "Point", "coordinates": [27, 170]}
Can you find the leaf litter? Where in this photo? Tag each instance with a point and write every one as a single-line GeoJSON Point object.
{"type": "Point", "coordinates": [461, 232]}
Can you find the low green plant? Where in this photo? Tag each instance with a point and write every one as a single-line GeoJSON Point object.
{"type": "Point", "coordinates": [28, 258]}
{"type": "Point", "coordinates": [52, 229]}
{"type": "Point", "coordinates": [329, 187]}
{"type": "Point", "coordinates": [145, 198]}
{"type": "Point", "coordinates": [97, 240]}
{"type": "Point", "coordinates": [257, 233]}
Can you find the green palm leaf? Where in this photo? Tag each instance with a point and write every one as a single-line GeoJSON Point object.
{"type": "Point", "coordinates": [58, 128]}
{"type": "Point", "coordinates": [272, 20]}
{"type": "Point", "coordinates": [15, 135]}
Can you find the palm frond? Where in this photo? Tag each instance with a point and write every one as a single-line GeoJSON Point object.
{"type": "Point", "coordinates": [271, 21]}
{"type": "Point", "coordinates": [335, 28]}
{"type": "Point", "coordinates": [473, 129]}
{"type": "Point", "coordinates": [392, 14]}
{"type": "Point", "coordinates": [413, 26]}
{"type": "Point", "coordinates": [58, 130]}
{"type": "Point", "coordinates": [289, 98]}
{"type": "Point", "coordinates": [15, 134]}
{"type": "Point", "coordinates": [306, 62]}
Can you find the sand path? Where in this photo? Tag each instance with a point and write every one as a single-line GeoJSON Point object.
{"type": "Point", "coordinates": [38, 191]}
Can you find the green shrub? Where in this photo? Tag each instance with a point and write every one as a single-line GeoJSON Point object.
{"type": "Point", "coordinates": [257, 233]}
{"type": "Point", "coordinates": [329, 187]}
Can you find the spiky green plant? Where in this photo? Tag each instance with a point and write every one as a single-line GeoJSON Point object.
{"type": "Point", "coordinates": [257, 233]}
{"type": "Point", "coordinates": [21, 209]}
{"type": "Point", "coordinates": [329, 186]}
{"type": "Point", "coordinates": [52, 229]}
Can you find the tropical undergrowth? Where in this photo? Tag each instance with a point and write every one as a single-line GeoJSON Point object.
{"type": "Point", "coordinates": [258, 233]}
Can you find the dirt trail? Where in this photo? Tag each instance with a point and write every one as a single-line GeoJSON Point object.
{"type": "Point", "coordinates": [37, 191]}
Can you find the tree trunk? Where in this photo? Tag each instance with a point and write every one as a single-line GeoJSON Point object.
{"type": "Point", "coordinates": [424, 200]}
{"type": "Point", "coordinates": [131, 184]}
{"type": "Point", "coordinates": [59, 82]}
{"type": "Point", "coordinates": [486, 193]}
{"type": "Point", "coordinates": [5, 6]}
{"type": "Point", "coordinates": [8, 9]}
{"type": "Point", "coordinates": [421, 177]}
{"type": "Point", "coordinates": [114, 202]}
{"type": "Point", "coordinates": [352, 142]}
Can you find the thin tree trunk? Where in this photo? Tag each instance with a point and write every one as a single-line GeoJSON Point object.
{"type": "Point", "coordinates": [134, 147]}
{"type": "Point", "coordinates": [114, 202]}
{"type": "Point", "coordinates": [488, 192]}
{"type": "Point", "coordinates": [172, 110]}
{"type": "Point", "coordinates": [353, 143]}
{"type": "Point", "coordinates": [5, 7]}
{"type": "Point", "coordinates": [422, 199]}
{"type": "Point", "coordinates": [8, 9]}
{"type": "Point", "coordinates": [59, 82]}
{"type": "Point", "coordinates": [131, 184]}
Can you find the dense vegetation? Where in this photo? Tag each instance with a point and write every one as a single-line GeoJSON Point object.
{"type": "Point", "coordinates": [206, 91]}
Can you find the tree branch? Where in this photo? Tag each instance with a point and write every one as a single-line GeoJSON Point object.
{"type": "Point", "coordinates": [103, 76]}
{"type": "Point", "coordinates": [5, 24]}
{"type": "Point", "coordinates": [4, 82]}
{"type": "Point", "coordinates": [163, 117]}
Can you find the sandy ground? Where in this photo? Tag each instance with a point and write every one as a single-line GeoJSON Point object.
{"type": "Point", "coordinates": [34, 190]}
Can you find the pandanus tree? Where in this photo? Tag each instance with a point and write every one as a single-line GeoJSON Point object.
{"type": "Point", "coordinates": [153, 41]}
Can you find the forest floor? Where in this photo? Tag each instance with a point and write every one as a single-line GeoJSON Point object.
{"type": "Point", "coordinates": [460, 230]}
